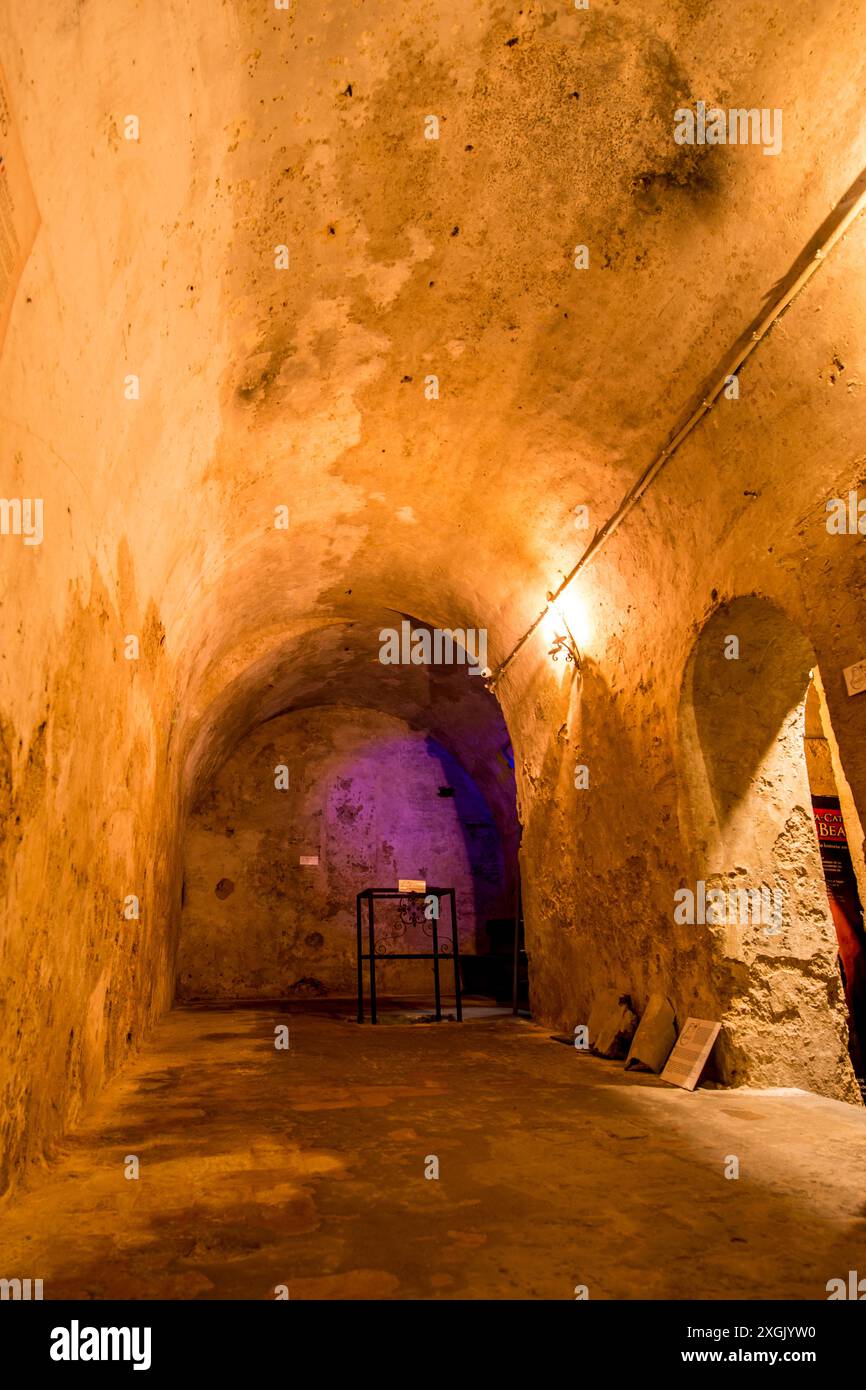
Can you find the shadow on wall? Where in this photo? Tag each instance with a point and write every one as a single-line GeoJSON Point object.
{"type": "Point", "coordinates": [363, 807]}
{"type": "Point", "coordinates": [490, 879]}
{"type": "Point", "coordinates": [750, 676]}
{"type": "Point", "coordinates": [747, 803]}
{"type": "Point", "coordinates": [600, 854]}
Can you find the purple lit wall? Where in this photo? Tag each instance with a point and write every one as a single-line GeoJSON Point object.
{"type": "Point", "coordinates": [365, 798]}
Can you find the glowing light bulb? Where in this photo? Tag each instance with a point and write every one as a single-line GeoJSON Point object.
{"type": "Point", "coordinates": [567, 619]}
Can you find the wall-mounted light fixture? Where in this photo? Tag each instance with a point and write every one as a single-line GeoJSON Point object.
{"type": "Point", "coordinates": [565, 624]}
{"type": "Point", "coordinates": [560, 635]}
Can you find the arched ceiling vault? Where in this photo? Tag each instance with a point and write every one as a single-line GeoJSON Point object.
{"type": "Point", "coordinates": [338, 664]}
{"type": "Point", "coordinates": [408, 258]}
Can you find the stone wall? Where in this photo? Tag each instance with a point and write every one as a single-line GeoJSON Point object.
{"type": "Point", "coordinates": [601, 866]}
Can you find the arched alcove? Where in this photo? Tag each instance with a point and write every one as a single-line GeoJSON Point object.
{"type": "Point", "coordinates": [746, 805]}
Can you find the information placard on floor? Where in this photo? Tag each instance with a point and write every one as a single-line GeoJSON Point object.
{"type": "Point", "coordinates": [690, 1052]}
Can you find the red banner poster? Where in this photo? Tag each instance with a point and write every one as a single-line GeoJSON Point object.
{"type": "Point", "coordinates": [847, 913]}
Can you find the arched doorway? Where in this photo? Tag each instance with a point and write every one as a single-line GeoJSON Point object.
{"type": "Point", "coordinates": [747, 807]}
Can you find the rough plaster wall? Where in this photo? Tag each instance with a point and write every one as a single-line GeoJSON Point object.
{"type": "Point", "coordinates": [758, 829]}
{"type": "Point", "coordinates": [819, 759]}
{"type": "Point", "coordinates": [607, 921]}
{"type": "Point", "coordinates": [819, 766]}
{"type": "Point", "coordinates": [83, 823]}
{"type": "Point", "coordinates": [363, 797]}
{"type": "Point", "coordinates": [89, 773]}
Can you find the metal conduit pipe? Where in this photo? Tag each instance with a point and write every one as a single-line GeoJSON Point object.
{"type": "Point", "coordinates": [837, 224]}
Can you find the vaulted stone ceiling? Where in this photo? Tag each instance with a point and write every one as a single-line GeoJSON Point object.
{"type": "Point", "coordinates": [408, 258]}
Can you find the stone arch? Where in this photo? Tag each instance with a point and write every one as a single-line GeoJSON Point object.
{"type": "Point", "coordinates": [746, 806]}
{"type": "Point", "coordinates": [322, 698]}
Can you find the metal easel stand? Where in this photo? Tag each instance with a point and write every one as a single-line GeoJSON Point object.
{"type": "Point", "coordinates": [372, 895]}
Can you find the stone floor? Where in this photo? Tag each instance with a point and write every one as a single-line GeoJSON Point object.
{"type": "Point", "coordinates": [306, 1167]}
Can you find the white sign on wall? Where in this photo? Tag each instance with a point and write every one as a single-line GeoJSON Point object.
{"type": "Point", "coordinates": [855, 677]}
